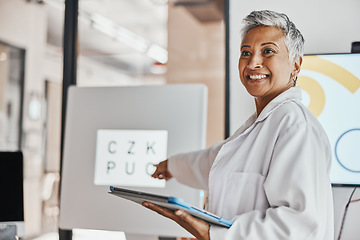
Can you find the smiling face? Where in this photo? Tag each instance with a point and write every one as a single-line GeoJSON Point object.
{"type": "Point", "coordinates": [264, 66]}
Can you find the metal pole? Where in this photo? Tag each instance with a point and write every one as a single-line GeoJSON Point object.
{"type": "Point", "coordinates": [69, 77]}
{"type": "Point", "coordinates": [227, 68]}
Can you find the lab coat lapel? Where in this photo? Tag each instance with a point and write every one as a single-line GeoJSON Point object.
{"type": "Point", "coordinates": [292, 94]}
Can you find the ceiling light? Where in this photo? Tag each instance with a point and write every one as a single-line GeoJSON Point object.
{"type": "Point", "coordinates": [59, 5]}
{"type": "Point", "coordinates": [128, 37]}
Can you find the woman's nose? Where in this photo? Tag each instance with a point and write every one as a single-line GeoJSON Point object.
{"type": "Point", "coordinates": [255, 62]}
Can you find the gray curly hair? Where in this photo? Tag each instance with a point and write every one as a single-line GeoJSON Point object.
{"type": "Point", "coordinates": [294, 40]}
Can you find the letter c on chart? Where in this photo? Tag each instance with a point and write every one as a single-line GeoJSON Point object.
{"type": "Point", "coordinates": [150, 169]}
{"type": "Point", "coordinates": [110, 148]}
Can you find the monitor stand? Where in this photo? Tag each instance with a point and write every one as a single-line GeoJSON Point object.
{"type": "Point", "coordinates": [8, 231]}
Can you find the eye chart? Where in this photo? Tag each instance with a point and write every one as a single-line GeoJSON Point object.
{"type": "Point", "coordinates": [127, 157]}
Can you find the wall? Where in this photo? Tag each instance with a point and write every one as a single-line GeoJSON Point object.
{"type": "Point", "coordinates": [197, 55]}
{"type": "Point", "coordinates": [328, 27]}
{"type": "Point", "coordinates": [23, 25]}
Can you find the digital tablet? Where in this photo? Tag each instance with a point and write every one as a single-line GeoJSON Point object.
{"type": "Point", "coordinates": [172, 203]}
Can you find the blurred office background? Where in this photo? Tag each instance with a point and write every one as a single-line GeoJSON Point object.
{"type": "Point", "coordinates": [130, 43]}
{"type": "Point", "coordinates": [120, 43]}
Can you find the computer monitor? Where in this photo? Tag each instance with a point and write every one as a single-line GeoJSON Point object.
{"type": "Point", "coordinates": [11, 187]}
{"type": "Point", "coordinates": [331, 90]}
{"type": "Point", "coordinates": [113, 136]}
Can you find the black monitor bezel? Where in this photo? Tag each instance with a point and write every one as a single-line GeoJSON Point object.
{"type": "Point", "coordinates": [15, 160]}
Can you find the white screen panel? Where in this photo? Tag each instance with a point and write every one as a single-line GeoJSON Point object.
{"type": "Point", "coordinates": [166, 119]}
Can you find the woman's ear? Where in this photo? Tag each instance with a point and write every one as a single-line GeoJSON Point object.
{"type": "Point", "coordinates": [297, 66]}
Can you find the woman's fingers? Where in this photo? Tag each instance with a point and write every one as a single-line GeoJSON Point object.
{"type": "Point", "coordinates": [161, 171]}
{"type": "Point", "coordinates": [160, 210]}
{"type": "Point", "coordinates": [157, 171]}
{"type": "Point", "coordinates": [195, 226]}
{"type": "Point", "coordinates": [201, 227]}
{"type": "Point", "coordinates": [166, 175]}
{"type": "Point", "coordinates": [185, 216]}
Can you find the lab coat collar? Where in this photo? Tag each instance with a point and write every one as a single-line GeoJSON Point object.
{"type": "Point", "coordinates": [293, 93]}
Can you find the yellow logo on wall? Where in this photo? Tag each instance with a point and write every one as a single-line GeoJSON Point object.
{"type": "Point", "coordinates": [330, 69]}
{"type": "Point", "coordinates": [331, 83]}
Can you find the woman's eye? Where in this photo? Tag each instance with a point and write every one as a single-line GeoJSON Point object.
{"type": "Point", "coordinates": [268, 51]}
{"type": "Point", "coordinates": [245, 53]}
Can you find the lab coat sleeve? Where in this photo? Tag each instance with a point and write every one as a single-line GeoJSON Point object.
{"type": "Point", "coordinates": [298, 191]}
{"type": "Point", "coordinates": [193, 168]}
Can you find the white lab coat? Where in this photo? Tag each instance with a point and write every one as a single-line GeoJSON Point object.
{"type": "Point", "coordinates": [271, 177]}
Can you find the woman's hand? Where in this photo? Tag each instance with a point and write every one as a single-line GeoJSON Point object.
{"type": "Point", "coordinates": [162, 171]}
{"type": "Point", "coordinates": [198, 228]}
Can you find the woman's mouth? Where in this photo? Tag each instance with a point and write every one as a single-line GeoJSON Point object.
{"type": "Point", "coordinates": [257, 77]}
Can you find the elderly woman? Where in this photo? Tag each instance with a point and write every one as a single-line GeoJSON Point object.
{"type": "Point", "coordinates": [272, 176]}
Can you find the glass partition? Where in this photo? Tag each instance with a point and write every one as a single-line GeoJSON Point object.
{"type": "Point", "coordinates": [122, 42]}
{"type": "Point", "coordinates": [11, 96]}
